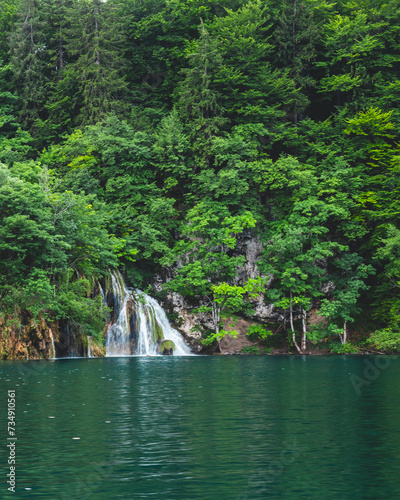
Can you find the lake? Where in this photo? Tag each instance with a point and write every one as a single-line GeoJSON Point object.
{"type": "Point", "coordinates": [204, 427]}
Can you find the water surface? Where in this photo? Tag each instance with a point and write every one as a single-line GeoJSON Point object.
{"type": "Point", "coordinates": [209, 428]}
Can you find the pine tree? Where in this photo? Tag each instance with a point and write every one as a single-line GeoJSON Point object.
{"type": "Point", "coordinates": [295, 35]}
{"type": "Point", "coordinates": [199, 101]}
{"type": "Point", "coordinates": [29, 59]}
{"type": "Point", "coordinates": [94, 42]}
{"type": "Point", "coordinates": [63, 92]}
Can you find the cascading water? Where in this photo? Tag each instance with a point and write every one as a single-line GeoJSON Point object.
{"type": "Point", "coordinates": [150, 308]}
{"type": "Point", "coordinates": [102, 294]}
{"type": "Point", "coordinates": [149, 327]}
{"type": "Point", "coordinates": [89, 353]}
{"type": "Point", "coordinates": [119, 338]}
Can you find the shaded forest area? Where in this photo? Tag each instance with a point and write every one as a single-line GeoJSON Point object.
{"type": "Point", "coordinates": [149, 135]}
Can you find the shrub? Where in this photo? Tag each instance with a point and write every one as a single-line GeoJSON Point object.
{"type": "Point", "coordinates": [252, 349]}
{"type": "Point", "coordinates": [257, 332]}
{"type": "Point", "coordinates": [385, 339]}
{"type": "Point", "coordinates": [346, 348]}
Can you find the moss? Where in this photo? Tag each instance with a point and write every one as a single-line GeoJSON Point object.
{"type": "Point", "coordinates": [98, 351]}
{"type": "Point", "coordinates": [167, 347]}
{"type": "Point", "coordinates": [158, 334]}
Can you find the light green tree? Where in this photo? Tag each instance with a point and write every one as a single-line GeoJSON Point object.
{"type": "Point", "coordinates": [206, 262]}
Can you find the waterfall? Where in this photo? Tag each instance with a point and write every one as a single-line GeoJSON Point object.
{"type": "Point", "coordinates": [140, 326]}
{"type": "Point", "coordinates": [89, 352]}
{"type": "Point", "coordinates": [102, 294]}
{"type": "Point", "coordinates": [119, 338]}
{"type": "Point", "coordinates": [146, 344]}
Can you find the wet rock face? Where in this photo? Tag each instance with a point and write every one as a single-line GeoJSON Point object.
{"type": "Point", "coordinates": [188, 324]}
{"type": "Point", "coordinates": [251, 247]}
{"type": "Point", "coordinates": [27, 338]}
{"type": "Point", "coordinates": [131, 312]}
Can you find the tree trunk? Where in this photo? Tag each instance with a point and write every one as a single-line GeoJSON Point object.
{"type": "Point", "coordinates": [291, 312]}
{"type": "Point", "coordinates": [304, 334]}
{"type": "Point", "coordinates": [292, 325]}
{"type": "Point", "coordinates": [216, 316]}
{"type": "Point", "coordinates": [343, 339]}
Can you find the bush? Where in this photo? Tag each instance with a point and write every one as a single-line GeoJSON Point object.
{"type": "Point", "coordinates": [385, 339]}
{"type": "Point", "coordinates": [346, 348]}
{"type": "Point", "coordinates": [252, 349]}
{"type": "Point", "coordinates": [218, 336]}
{"type": "Point", "coordinates": [257, 332]}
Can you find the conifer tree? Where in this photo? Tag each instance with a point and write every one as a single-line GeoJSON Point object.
{"type": "Point", "coordinates": [94, 43]}
{"type": "Point", "coordinates": [199, 101]}
{"type": "Point", "coordinates": [30, 62]}
{"type": "Point", "coordinates": [295, 34]}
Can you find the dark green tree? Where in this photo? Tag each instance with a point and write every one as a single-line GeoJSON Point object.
{"type": "Point", "coordinates": [209, 234]}
{"type": "Point", "coordinates": [95, 47]}
{"type": "Point", "coordinates": [30, 63]}
{"type": "Point", "coordinates": [199, 102]}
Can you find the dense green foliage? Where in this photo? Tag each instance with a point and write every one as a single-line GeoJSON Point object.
{"type": "Point", "coordinates": [153, 135]}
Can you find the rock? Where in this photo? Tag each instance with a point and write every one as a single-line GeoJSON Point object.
{"type": "Point", "coordinates": [167, 347]}
{"type": "Point", "coordinates": [98, 351]}
{"type": "Point", "coordinates": [26, 337]}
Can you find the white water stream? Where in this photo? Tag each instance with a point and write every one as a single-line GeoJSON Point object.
{"type": "Point", "coordinates": [89, 354]}
{"type": "Point", "coordinates": [149, 318]}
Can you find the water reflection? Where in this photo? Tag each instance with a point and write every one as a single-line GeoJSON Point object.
{"type": "Point", "coordinates": [204, 428]}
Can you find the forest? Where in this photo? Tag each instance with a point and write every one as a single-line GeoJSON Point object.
{"type": "Point", "coordinates": [150, 136]}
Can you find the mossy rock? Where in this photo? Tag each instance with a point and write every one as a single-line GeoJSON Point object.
{"type": "Point", "coordinates": [98, 351]}
{"type": "Point", "coordinates": [158, 333]}
{"type": "Point", "coordinates": [167, 347]}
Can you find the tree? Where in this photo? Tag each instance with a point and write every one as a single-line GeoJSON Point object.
{"type": "Point", "coordinates": [29, 60]}
{"type": "Point", "coordinates": [295, 256]}
{"type": "Point", "coordinates": [64, 97]}
{"type": "Point", "coordinates": [296, 31]}
{"type": "Point", "coordinates": [8, 111]}
{"type": "Point", "coordinates": [353, 59]}
{"type": "Point", "coordinates": [198, 100]}
{"type": "Point", "coordinates": [298, 244]}
{"type": "Point", "coordinates": [229, 298]}
{"type": "Point", "coordinates": [8, 10]}
{"type": "Point", "coordinates": [206, 263]}
{"type": "Point", "coordinates": [94, 44]}
{"type": "Point", "coordinates": [253, 90]}
{"type": "Point", "coordinates": [52, 247]}
{"type": "Point", "coordinates": [348, 282]}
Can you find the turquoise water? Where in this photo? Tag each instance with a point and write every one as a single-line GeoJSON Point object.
{"type": "Point", "coordinates": [222, 427]}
